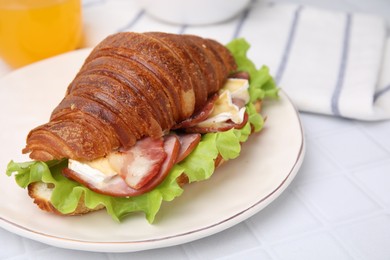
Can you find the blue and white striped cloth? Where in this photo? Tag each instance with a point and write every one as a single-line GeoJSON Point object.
{"type": "Point", "coordinates": [328, 62]}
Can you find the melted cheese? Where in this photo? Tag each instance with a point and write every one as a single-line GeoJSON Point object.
{"type": "Point", "coordinates": [224, 108]}
{"type": "Point", "coordinates": [238, 89]}
{"type": "Point", "coordinates": [103, 169]}
{"type": "Point", "coordinates": [98, 170]}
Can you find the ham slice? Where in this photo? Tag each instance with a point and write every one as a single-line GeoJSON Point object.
{"type": "Point", "coordinates": [116, 186]}
{"type": "Point", "coordinates": [199, 116]}
{"type": "Point", "coordinates": [240, 75]}
{"type": "Point", "coordinates": [188, 143]}
{"type": "Point", "coordinates": [218, 127]}
{"type": "Point", "coordinates": [139, 164]}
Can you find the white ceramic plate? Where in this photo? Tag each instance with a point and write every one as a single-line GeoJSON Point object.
{"type": "Point", "coordinates": [239, 189]}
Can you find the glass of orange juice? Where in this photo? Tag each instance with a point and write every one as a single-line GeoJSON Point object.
{"type": "Point", "coordinates": [31, 30]}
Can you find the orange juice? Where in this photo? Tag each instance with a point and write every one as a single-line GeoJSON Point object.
{"type": "Point", "coordinates": [31, 30]}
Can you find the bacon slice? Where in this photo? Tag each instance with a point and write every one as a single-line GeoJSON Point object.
{"type": "Point", "coordinates": [172, 148]}
{"type": "Point", "coordinates": [240, 75]}
{"type": "Point", "coordinates": [117, 186]}
{"type": "Point", "coordinates": [218, 127]}
{"type": "Point", "coordinates": [240, 103]}
{"type": "Point", "coordinates": [139, 164]}
{"type": "Point", "coordinates": [188, 143]}
{"type": "Point", "coordinates": [199, 116]}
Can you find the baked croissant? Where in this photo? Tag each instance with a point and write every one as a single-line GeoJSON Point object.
{"type": "Point", "coordinates": [132, 85]}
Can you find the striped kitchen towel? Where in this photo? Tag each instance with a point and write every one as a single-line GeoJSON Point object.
{"type": "Point", "coordinates": [328, 62]}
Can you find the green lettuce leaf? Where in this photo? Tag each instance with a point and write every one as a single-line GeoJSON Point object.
{"type": "Point", "coordinates": [198, 166]}
{"type": "Point", "coordinates": [262, 84]}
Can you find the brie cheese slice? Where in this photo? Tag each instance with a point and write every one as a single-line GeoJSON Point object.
{"type": "Point", "coordinates": [224, 107]}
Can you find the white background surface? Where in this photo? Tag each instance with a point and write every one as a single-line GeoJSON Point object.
{"type": "Point", "coordinates": [338, 206]}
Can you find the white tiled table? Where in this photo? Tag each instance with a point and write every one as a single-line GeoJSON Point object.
{"type": "Point", "coordinates": [338, 206]}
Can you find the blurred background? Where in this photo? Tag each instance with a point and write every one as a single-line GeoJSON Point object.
{"type": "Point", "coordinates": [74, 27]}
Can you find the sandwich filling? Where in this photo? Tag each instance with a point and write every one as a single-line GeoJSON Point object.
{"type": "Point", "coordinates": [145, 165]}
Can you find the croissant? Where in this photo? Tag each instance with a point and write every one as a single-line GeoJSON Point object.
{"type": "Point", "coordinates": [132, 85]}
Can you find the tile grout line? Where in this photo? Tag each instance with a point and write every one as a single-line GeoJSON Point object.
{"type": "Point", "coordinates": [321, 227]}
{"type": "Point", "coordinates": [315, 211]}
{"type": "Point", "coordinates": [372, 138]}
{"type": "Point", "coordinates": [189, 251]}
{"type": "Point", "coordinates": [25, 247]}
{"type": "Point", "coordinates": [183, 248]}
{"type": "Point", "coordinates": [348, 173]}
{"type": "Point", "coordinates": [367, 192]}
{"type": "Point", "coordinates": [263, 243]}
{"type": "Point", "coordinates": [334, 159]}
{"type": "Point", "coordinates": [326, 225]}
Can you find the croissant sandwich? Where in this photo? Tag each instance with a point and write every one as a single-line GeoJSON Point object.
{"type": "Point", "coordinates": [145, 114]}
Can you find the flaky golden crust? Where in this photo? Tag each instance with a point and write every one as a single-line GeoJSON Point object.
{"type": "Point", "coordinates": [132, 85]}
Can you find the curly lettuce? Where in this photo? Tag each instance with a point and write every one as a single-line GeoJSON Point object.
{"type": "Point", "coordinates": [198, 166]}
